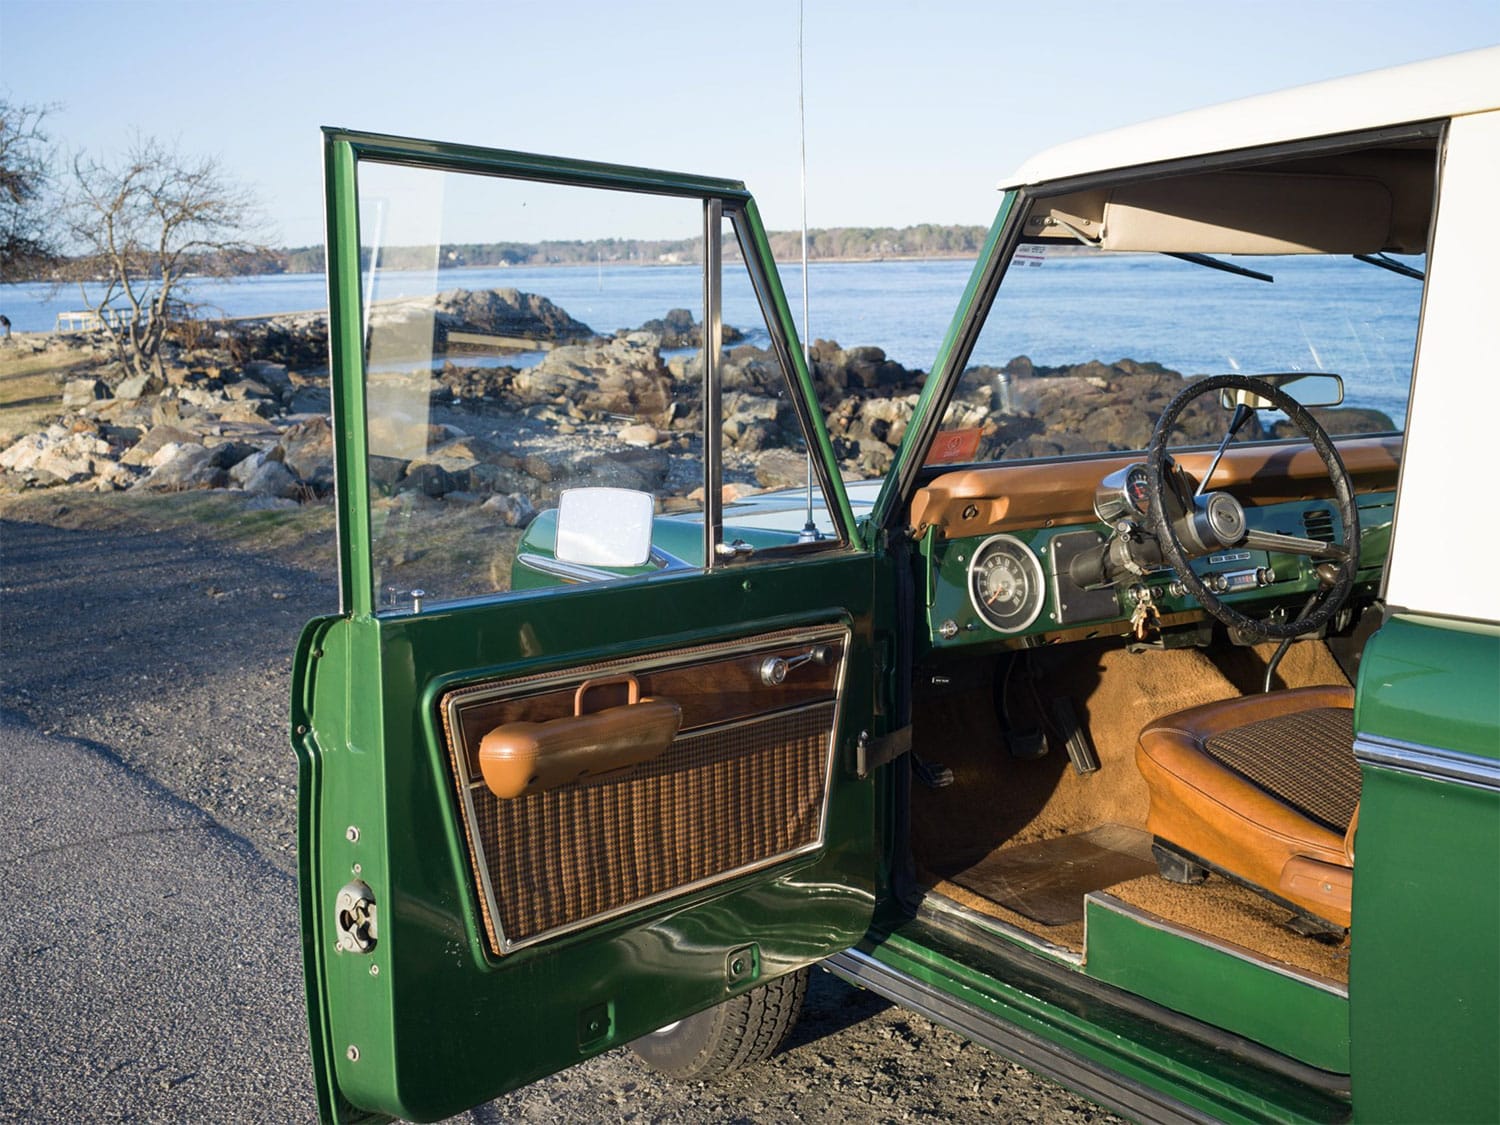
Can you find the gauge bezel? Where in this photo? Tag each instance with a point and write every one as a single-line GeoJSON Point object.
{"type": "Point", "coordinates": [1035, 576]}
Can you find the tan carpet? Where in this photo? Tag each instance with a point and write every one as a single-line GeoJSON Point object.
{"type": "Point", "coordinates": [997, 801]}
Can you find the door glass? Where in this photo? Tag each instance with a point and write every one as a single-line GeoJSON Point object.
{"type": "Point", "coordinates": [522, 338]}
{"type": "Point", "coordinates": [767, 479]}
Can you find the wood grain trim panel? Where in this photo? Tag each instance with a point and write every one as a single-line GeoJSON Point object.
{"type": "Point", "coordinates": [1010, 496]}
{"type": "Point", "coordinates": [710, 688]}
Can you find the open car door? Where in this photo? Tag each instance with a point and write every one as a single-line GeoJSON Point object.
{"type": "Point", "coordinates": [561, 786]}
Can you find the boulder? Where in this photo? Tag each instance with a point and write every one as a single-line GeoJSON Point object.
{"type": "Point", "coordinates": [511, 508]}
{"type": "Point", "coordinates": [156, 437]}
{"type": "Point", "coordinates": [781, 468]}
{"type": "Point", "coordinates": [83, 392]}
{"type": "Point", "coordinates": [181, 466]}
{"type": "Point", "coordinates": [272, 478]}
{"type": "Point", "coordinates": [25, 453]}
{"type": "Point", "coordinates": [307, 450]}
{"type": "Point", "coordinates": [639, 434]}
{"type": "Point", "coordinates": [78, 457]}
{"type": "Point", "coordinates": [137, 386]}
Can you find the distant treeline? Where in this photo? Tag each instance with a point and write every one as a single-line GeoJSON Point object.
{"type": "Point", "coordinates": [925, 240]}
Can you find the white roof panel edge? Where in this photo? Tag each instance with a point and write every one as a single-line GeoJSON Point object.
{"type": "Point", "coordinates": [1450, 86]}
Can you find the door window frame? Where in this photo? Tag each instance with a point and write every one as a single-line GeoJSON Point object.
{"type": "Point", "coordinates": [721, 199]}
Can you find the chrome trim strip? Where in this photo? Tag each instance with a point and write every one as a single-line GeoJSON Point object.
{"type": "Point", "coordinates": [579, 572]}
{"type": "Point", "coordinates": [1109, 902]}
{"type": "Point", "coordinates": [1431, 762]}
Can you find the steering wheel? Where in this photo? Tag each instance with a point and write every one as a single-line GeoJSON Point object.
{"type": "Point", "coordinates": [1220, 513]}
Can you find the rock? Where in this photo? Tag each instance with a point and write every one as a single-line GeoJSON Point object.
{"type": "Point", "coordinates": [428, 478]}
{"type": "Point", "coordinates": [462, 499]}
{"type": "Point", "coordinates": [273, 376]}
{"type": "Point", "coordinates": [244, 469]}
{"type": "Point", "coordinates": [639, 434]}
{"type": "Point", "coordinates": [156, 437]}
{"type": "Point", "coordinates": [606, 377]}
{"type": "Point", "coordinates": [307, 450]}
{"type": "Point", "coordinates": [272, 478]}
{"type": "Point", "coordinates": [781, 468]}
{"type": "Point", "coordinates": [77, 457]}
{"type": "Point", "coordinates": [137, 386]}
{"type": "Point", "coordinates": [386, 473]}
{"type": "Point", "coordinates": [177, 467]}
{"type": "Point", "coordinates": [25, 453]}
{"type": "Point", "coordinates": [83, 392]}
{"type": "Point", "coordinates": [510, 508]}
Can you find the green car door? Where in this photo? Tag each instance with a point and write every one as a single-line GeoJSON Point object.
{"type": "Point", "coordinates": [553, 800]}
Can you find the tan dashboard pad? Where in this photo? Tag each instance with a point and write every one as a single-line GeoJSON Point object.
{"type": "Point", "coordinates": [1012, 495]}
{"type": "Point", "coordinates": [523, 757]}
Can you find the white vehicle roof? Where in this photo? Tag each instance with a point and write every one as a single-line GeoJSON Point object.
{"type": "Point", "coordinates": [1451, 86]}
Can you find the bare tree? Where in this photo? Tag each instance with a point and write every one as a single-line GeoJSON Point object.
{"type": "Point", "coordinates": [27, 235]}
{"type": "Point", "coordinates": [139, 226]}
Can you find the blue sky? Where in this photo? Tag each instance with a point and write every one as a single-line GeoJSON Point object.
{"type": "Point", "coordinates": [914, 110]}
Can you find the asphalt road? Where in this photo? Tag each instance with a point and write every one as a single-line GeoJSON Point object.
{"type": "Point", "coordinates": [149, 960]}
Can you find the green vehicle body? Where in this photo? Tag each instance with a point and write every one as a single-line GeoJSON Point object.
{"type": "Point", "coordinates": [431, 1020]}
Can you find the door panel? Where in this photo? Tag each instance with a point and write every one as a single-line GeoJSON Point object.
{"type": "Point", "coordinates": [742, 786]}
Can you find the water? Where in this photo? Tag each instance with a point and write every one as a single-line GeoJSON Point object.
{"type": "Point", "coordinates": [1331, 314]}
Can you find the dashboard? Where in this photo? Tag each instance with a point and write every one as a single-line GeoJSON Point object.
{"type": "Point", "coordinates": [996, 543]}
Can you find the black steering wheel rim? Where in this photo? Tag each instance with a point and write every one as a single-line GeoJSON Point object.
{"type": "Point", "coordinates": [1331, 599]}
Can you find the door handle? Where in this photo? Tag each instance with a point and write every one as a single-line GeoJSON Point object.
{"type": "Point", "coordinates": [519, 758]}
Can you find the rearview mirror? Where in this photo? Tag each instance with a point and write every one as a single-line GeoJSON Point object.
{"type": "Point", "coordinates": [604, 526]}
{"type": "Point", "coordinates": [1308, 388]}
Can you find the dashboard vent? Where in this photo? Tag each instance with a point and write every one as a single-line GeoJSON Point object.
{"type": "Point", "coordinates": [1318, 524]}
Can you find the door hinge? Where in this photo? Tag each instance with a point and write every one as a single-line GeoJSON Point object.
{"type": "Point", "coordinates": [872, 753]}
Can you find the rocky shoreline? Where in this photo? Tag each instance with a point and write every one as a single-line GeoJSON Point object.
{"type": "Point", "coordinates": [248, 410]}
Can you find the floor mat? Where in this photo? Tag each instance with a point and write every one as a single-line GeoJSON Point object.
{"type": "Point", "coordinates": [1046, 881]}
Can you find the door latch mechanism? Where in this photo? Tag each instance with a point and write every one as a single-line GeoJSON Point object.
{"type": "Point", "coordinates": [355, 918]}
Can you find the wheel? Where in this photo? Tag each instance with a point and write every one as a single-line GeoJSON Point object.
{"type": "Point", "coordinates": [743, 1030]}
{"type": "Point", "coordinates": [1217, 521]}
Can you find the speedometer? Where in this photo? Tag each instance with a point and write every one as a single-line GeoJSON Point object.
{"type": "Point", "coordinates": [1006, 584]}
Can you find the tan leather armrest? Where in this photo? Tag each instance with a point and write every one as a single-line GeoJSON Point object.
{"type": "Point", "coordinates": [520, 758]}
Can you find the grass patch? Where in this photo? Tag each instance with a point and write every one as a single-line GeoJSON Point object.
{"type": "Point", "coordinates": [31, 387]}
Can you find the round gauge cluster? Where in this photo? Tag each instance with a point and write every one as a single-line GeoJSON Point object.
{"type": "Point", "coordinates": [1006, 584]}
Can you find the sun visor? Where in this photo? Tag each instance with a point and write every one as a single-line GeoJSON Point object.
{"type": "Point", "coordinates": [1226, 213]}
{"type": "Point", "coordinates": [1250, 213]}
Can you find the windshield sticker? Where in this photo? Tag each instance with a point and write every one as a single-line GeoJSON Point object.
{"type": "Point", "coordinates": [955, 445]}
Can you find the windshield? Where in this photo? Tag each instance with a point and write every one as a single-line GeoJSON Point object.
{"type": "Point", "coordinates": [1082, 347]}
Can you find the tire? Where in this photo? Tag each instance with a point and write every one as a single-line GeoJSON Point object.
{"type": "Point", "coordinates": [742, 1031]}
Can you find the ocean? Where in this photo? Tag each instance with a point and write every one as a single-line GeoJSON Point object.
{"type": "Point", "coordinates": [1327, 314]}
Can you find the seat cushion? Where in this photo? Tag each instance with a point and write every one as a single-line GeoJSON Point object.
{"type": "Point", "coordinates": [1318, 777]}
{"type": "Point", "coordinates": [1251, 783]}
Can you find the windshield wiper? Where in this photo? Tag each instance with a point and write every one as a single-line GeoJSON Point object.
{"type": "Point", "coordinates": [1391, 264]}
{"type": "Point", "coordinates": [1216, 264]}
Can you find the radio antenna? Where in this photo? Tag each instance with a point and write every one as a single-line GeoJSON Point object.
{"type": "Point", "coordinates": [809, 533]}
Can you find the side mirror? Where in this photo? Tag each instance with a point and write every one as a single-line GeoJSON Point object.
{"type": "Point", "coordinates": [1308, 388]}
{"type": "Point", "coordinates": [604, 526]}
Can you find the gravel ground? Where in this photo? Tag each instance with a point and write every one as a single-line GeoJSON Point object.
{"type": "Point", "coordinates": [171, 652]}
